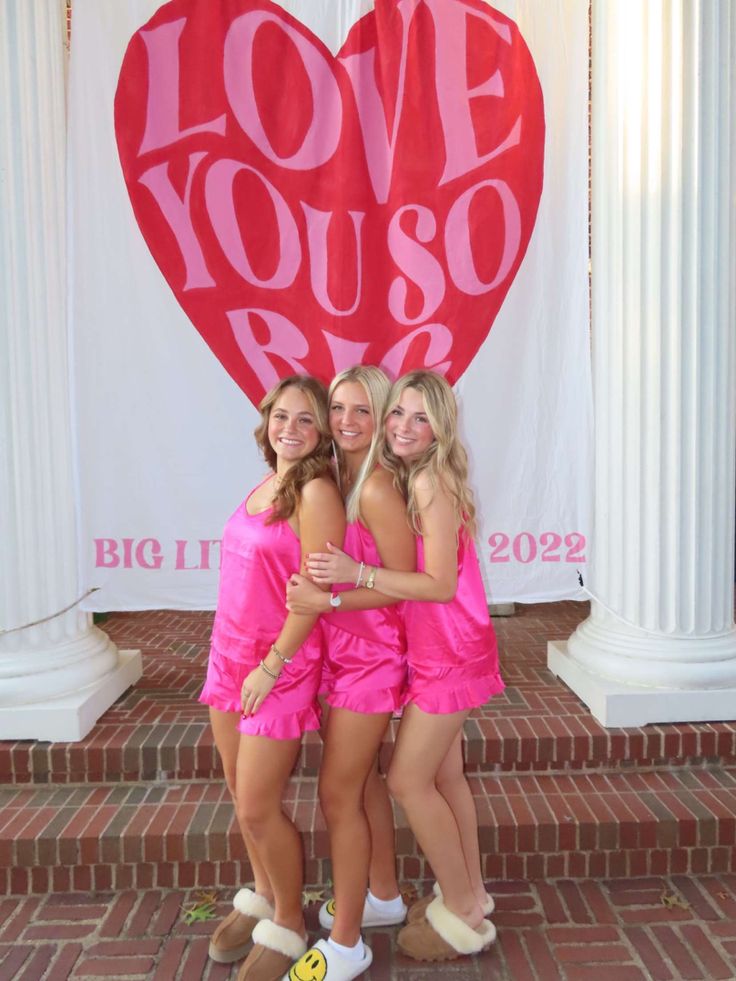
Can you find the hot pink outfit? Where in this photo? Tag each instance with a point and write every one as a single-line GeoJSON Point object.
{"type": "Point", "coordinates": [257, 559]}
{"type": "Point", "coordinates": [365, 651]}
{"type": "Point", "coordinates": [451, 647]}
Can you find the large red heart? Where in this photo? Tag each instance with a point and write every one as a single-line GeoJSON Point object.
{"type": "Point", "coordinates": [310, 212]}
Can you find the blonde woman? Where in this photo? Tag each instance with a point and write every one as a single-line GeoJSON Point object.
{"type": "Point", "coordinates": [364, 681]}
{"type": "Point", "coordinates": [452, 655]}
{"type": "Point", "coordinates": [265, 667]}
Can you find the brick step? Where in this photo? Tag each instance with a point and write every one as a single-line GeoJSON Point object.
{"type": "Point", "coordinates": [505, 742]}
{"type": "Point", "coordinates": [532, 826]}
{"type": "Point", "coordinates": [158, 730]}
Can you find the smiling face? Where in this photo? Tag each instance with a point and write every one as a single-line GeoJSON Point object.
{"type": "Point", "coordinates": [292, 428]}
{"type": "Point", "coordinates": [351, 419]}
{"type": "Point", "coordinates": [312, 966]}
{"type": "Point", "coordinates": [408, 430]}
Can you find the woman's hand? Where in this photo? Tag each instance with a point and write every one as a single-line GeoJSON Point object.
{"type": "Point", "coordinates": [255, 688]}
{"type": "Point", "coordinates": [333, 566]}
{"type": "Point", "coordinates": [303, 597]}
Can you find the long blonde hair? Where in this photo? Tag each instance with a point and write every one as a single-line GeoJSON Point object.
{"type": "Point", "coordinates": [317, 464]}
{"type": "Point", "coordinates": [376, 386]}
{"type": "Point", "coordinates": [444, 461]}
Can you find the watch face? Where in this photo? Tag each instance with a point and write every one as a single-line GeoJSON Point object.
{"type": "Point", "coordinates": [335, 600]}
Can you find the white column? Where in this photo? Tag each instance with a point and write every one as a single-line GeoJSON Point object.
{"type": "Point", "coordinates": [56, 678]}
{"type": "Point", "coordinates": [660, 645]}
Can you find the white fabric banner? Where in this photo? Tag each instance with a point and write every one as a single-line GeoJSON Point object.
{"type": "Point", "coordinates": [177, 172]}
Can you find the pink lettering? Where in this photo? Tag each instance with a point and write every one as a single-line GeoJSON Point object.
{"type": "Point", "coordinates": [440, 342]}
{"type": "Point", "coordinates": [284, 336]}
{"type": "Point", "coordinates": [219, 197]}
{"type": "Point", "coordinates": [459, 251]}
{"type": "Point", "coordinates": [155, 559]}
{"type": "Point", "coordinates": [106, 553]}
{"type": "Point", "coordinates": [418, 263]}
{"type": "Point", "coordinates": [345, 353]}
{"type": "Point", "coordinates": [177, 213]}
{"type": "Point", "coordinates": [318, 223]}
{"type": "Point", "coordinates": [127, 552]}
{"type": "Point", "coordinates": [323, 134]}
{"type": "Point", "coordinates": [379, 145]}
{"type": "Point", "coordinates": [204, 552]}
{"type": "Point", "coordinates": [454, 96]}
{"type": "Point", "coordinates": [163, 125]}
{"type": "Point", "coordinates": [181, 555]}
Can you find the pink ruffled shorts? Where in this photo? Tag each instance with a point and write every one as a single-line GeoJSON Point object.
{"type": "Point", "coordinates": [288, 711]}
{"type": "Point", "coordinates": [441, 690]}
{"type": "Point", "coordinates": [361, 675]}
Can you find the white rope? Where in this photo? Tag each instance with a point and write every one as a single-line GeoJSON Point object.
{"type": "Point", "coordinates": [51, 616]}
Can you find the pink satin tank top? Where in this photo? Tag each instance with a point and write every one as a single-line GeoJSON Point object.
{"type": "Point", "coordinates": [452, 634]}
{"type": "Point", "coordinates": [256, 560]}
{"type": "Point", "coordinates": [384, 625]}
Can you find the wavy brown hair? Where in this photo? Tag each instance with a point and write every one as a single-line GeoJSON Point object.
{"type": "Point", "coordinates": [317, 464]}
{"type": "Point", "coordinates": [444, 461]}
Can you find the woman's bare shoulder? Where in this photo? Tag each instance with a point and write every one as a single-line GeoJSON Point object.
{"type": "Point", "coordinates": [320, 490]}
{"type": "Point", "coordinates": [378, 488]}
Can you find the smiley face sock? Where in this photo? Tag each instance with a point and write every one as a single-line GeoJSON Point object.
{"type": "Point", "coordinates": [356, 953]}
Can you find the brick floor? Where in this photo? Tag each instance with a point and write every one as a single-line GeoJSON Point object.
{"type": "Point", "coordinates": [665, 929]}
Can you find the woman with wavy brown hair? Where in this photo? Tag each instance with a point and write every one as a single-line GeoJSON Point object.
{"type": "Point", "coordinates": [265, 666]}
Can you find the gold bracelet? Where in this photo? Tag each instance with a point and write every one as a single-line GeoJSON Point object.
{"type": "Point", "coordinates": [371, 580]}
{"type": "Point", "coordinates": [279, 655]}
{"type": "Point", "coordinates": [269, 672]}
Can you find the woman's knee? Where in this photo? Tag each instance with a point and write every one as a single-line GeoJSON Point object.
{"type": "Point", "coordinates": [403, 786]}
{"type": "Point", "coordinates": [339, 796]}
{"type": "Point", "coordinates": [450, 782]}
{"type": "Point", "coordinates": [256, 813]}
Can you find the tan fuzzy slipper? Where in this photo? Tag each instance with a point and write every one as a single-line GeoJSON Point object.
{"type": "Point", "coordinates": [274, 951]}
{"type": "Point", "coordinates": [231, 940]}
{"type": "Point", "coordinates": [442, 936]}
{"type": "Point", "coordinates": [418, 909]}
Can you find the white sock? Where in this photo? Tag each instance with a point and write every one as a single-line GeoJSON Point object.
{"type": "Point", "coordinates": [386, 905]}
{"type": "Point", "coordinates": [356, 953]}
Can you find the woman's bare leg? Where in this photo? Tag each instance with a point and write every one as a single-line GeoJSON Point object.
{"type": "Point", "coordinates": [227, 740]}
{"type": "Point", "coordinates": [454, 787]}
{"type": "Point", "coordinates": [377, 803]}
{"type": "Point", "coordinates": [263, 769]}
{"type": "Point", "coordinates": [382, 880]}
{"type": "Point", "coordinates": [423, 742]}
{"type": "Point", "coordinates": [351, 743]}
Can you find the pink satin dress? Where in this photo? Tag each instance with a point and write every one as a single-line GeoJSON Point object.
{"type": "Point", "coordinates": [451, 647]}
{"type": "Point", "coordinates": [365, 652]}
{"type": "Point", "coordinates": [257, 559]}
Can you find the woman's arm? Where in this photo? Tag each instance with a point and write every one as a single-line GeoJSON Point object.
{"type": "Point", "coordinates": [383, 512]}
{"type": "Point", "coordinates": [437, 584]}
{"type": "Point", "coordinates": [321, 519]}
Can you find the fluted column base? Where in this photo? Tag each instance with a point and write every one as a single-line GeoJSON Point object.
{"type": "Point", "coordinates": [70, 717]}
{"type": "Point", "coordinates": [633, 678]}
